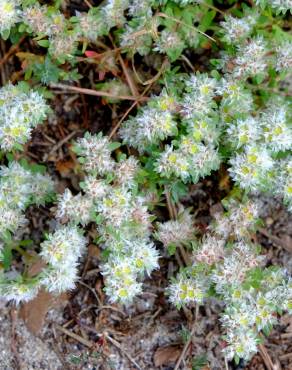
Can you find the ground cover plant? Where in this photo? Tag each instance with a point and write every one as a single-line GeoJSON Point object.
{"type": "Point", "coordinates": [196, 90]}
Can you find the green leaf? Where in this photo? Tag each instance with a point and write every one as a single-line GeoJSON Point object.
{"type": "Point", "coordinates": [6, 236]}
{"type": "Point", "coordinates": [5, 34]}
{"type": "Point", "coordinates": [199, 362]}
{"type": "Point", "coordinates": [7, 257]}
{"type": "Point", "coordinates": [236, 360]}
{"type": "Point", "coordinates": [207, 20]}
{"type": "Point", "coordinates": [44, 43]}
{"type": "Point", "coordinates": [26, 243]}
{"type": "Point", "coordinates": [114, 145]}
{"type": "Point", "coordinates": [171, 249]}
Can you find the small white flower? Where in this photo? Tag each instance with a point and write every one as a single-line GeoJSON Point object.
{"type": "Point", "coordinates": [76, 209]}
{"type": "Point", "coordinates": [91, 24]}
{"type": "Point", "coordinates": [113, 12]}
{"type": "Point", "coordinates": [281, 6]}
{"type": "Point", "coordinates": [210, 251]}
{"type": "Point", "coordinates": [63, 247]}
{"type": "Point", "coordinates": [185, 291]}
{"type": "Point", "coordinates": [235, 99]}
{"type": "Point", "coordinates": [144, 256]}
{"type": "Point", "coordinates": [250, 169]}
{"type": "Point", "coordinates": [173, 162]}
{"type": "Point", "coordinates": [237, 29]}
{"type": "Point", "coordinates": [275, 130]}
{"type": "Point", "coordinates": [284, 55]}
{"type": "Point", "coordinates": [36, 18]}
{"type": "Point", "coordinates": [20, 112]}
{"type": "Point", "coordinates": [177, 231]}
{"type": "Point", "coordinates": [19, 290]}
{"type": "Point", "coordinates": [123, 290]}
{"type": "Point", "coordinates": [61, 279]}
{"type": "Point", "coordinates": [251, 58]}
{"type": "Point", "coordinates": [139, 8]}
{"type": "Point", "coordinates": [242, 343]}
{"type": "Point", "coordinates": [95, 188]}
{"type": "Point", "coordinates": [198, 100]}
{"type": "Point", "coordinates": [116, 207]}
{"type": "Point", "coordinates": [125, 172]}
{"type": "Point", "coordinates": [95, 154]}
{"type": "Point", "coordinates": [169, 41]}
{"type": "Point", "coordinates": [235, 265]}
{"type": "Point", "coordinates": [20, 187]}
{"type": "Point", "coordinates": [121, 279]}
{"type": "Point", "coordinates": [11, 219]}
{"type": "Point", "coordinates": [243, 132]}
{"type": "Point", "coordinates": [150, 126]}
{"type": "Point", "coordinates": [9, 14]}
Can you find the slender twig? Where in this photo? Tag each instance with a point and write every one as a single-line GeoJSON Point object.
{"type": "Point", "coordinates": [92, 291]}
{"type": "Point", "coordinates": [129, 78]}
{"type": "Point", "coordinates": [184, 58]}
{"type": "Point", "coordinates": [130, 81]}
{"type": "Point", "coordinates": [96, 92]}
{"type": "Point", "coordinates": [266, 357]}
{"type": "Point", "coordinates": [11, 51]}
{"type": "Point", "coordinates": [113, 341]}
{"type": "Point", "coordinates": [275, 240]}
{"type": "Point", "coordinates": [75, 336]}
{"type": "Point", "coordinates": [60, 143]}
{"type": "Point", "coordinates": [173, 214]}
{"type": "Point", "coordinates": [13, 343]}
{"type": "Point", "coordinates": [212, 7]}
{"type": "Point", "coordinates": [226, 363]}
{"type": "Point", "coordinates": [149, 83]}
{"type": "Point", "coordinates": [117, 344]}
{"type": "Point", "coordinates": [163, 15]}
{"type": "Point", "coordinates": [287, 356]}
{"type": "Point", "coordinates": [116, 127]}
{"type": "Point", "coordinates": [188, 342]}
{"type": "Point", "coordinates": [88, 3]}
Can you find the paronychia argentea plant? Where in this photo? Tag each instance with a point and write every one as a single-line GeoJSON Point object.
{"type": "Point", "coordinates": [231, 112]}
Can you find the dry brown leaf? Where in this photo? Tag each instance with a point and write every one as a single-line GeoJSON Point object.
{"type": "Point", "coordinates": [166, 355]}
{"type": "Point", "coordinates": [36, 268]}
{"type": "Point", "coordinates": [93, 251]}
{"type": "Point", "coordinates": [286, 242]}
{"type": "Point", "coordinates": [33, 313]}
{"type": "Point", "coordinates": [65, 167]}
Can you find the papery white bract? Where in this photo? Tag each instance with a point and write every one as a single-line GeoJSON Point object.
{"type": "Point", "coordinates": [20, 112]}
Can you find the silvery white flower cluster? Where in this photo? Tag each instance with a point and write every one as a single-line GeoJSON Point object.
{"type": "Point", "coordinates": [20, 187]}
{"type": "Point", "coordinates": [252, 54]}
{"type": "Point", "coordinates": [230, 263]}
{"type": "Point", "coordinates": [18, 289]}
{"type": "Point", "coordinates": [9, 14]}
{"type": "Point", "coordinates": [123, 221]}
{"type": "Point", "coordinates": [253, 309]}
{"type": "Point", "coordinates": [154, 123]}
{"type": "Point", "coordinates": [238, 29]}
{"type": "Point", "coordinates": [61, 251]}
{"type": "Point", "coordinates": [283, 184]}
{"type": "Point", "coordinates": [280, 6]}
{"type": "Point", "coordinates": [176, 232]}
{"type": "Point", "coordinates": [20, 113]}
{"type": "Point", "coordinates": [192, 119]}
{"type": "Point", "coordinates": [90, 25]}
{"type": "Point", "coordinates": [190, 156]}
{"type": "Point", "coordinates": [238, 222]}
{"type": "Point", "coordinates": [255, 167]}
